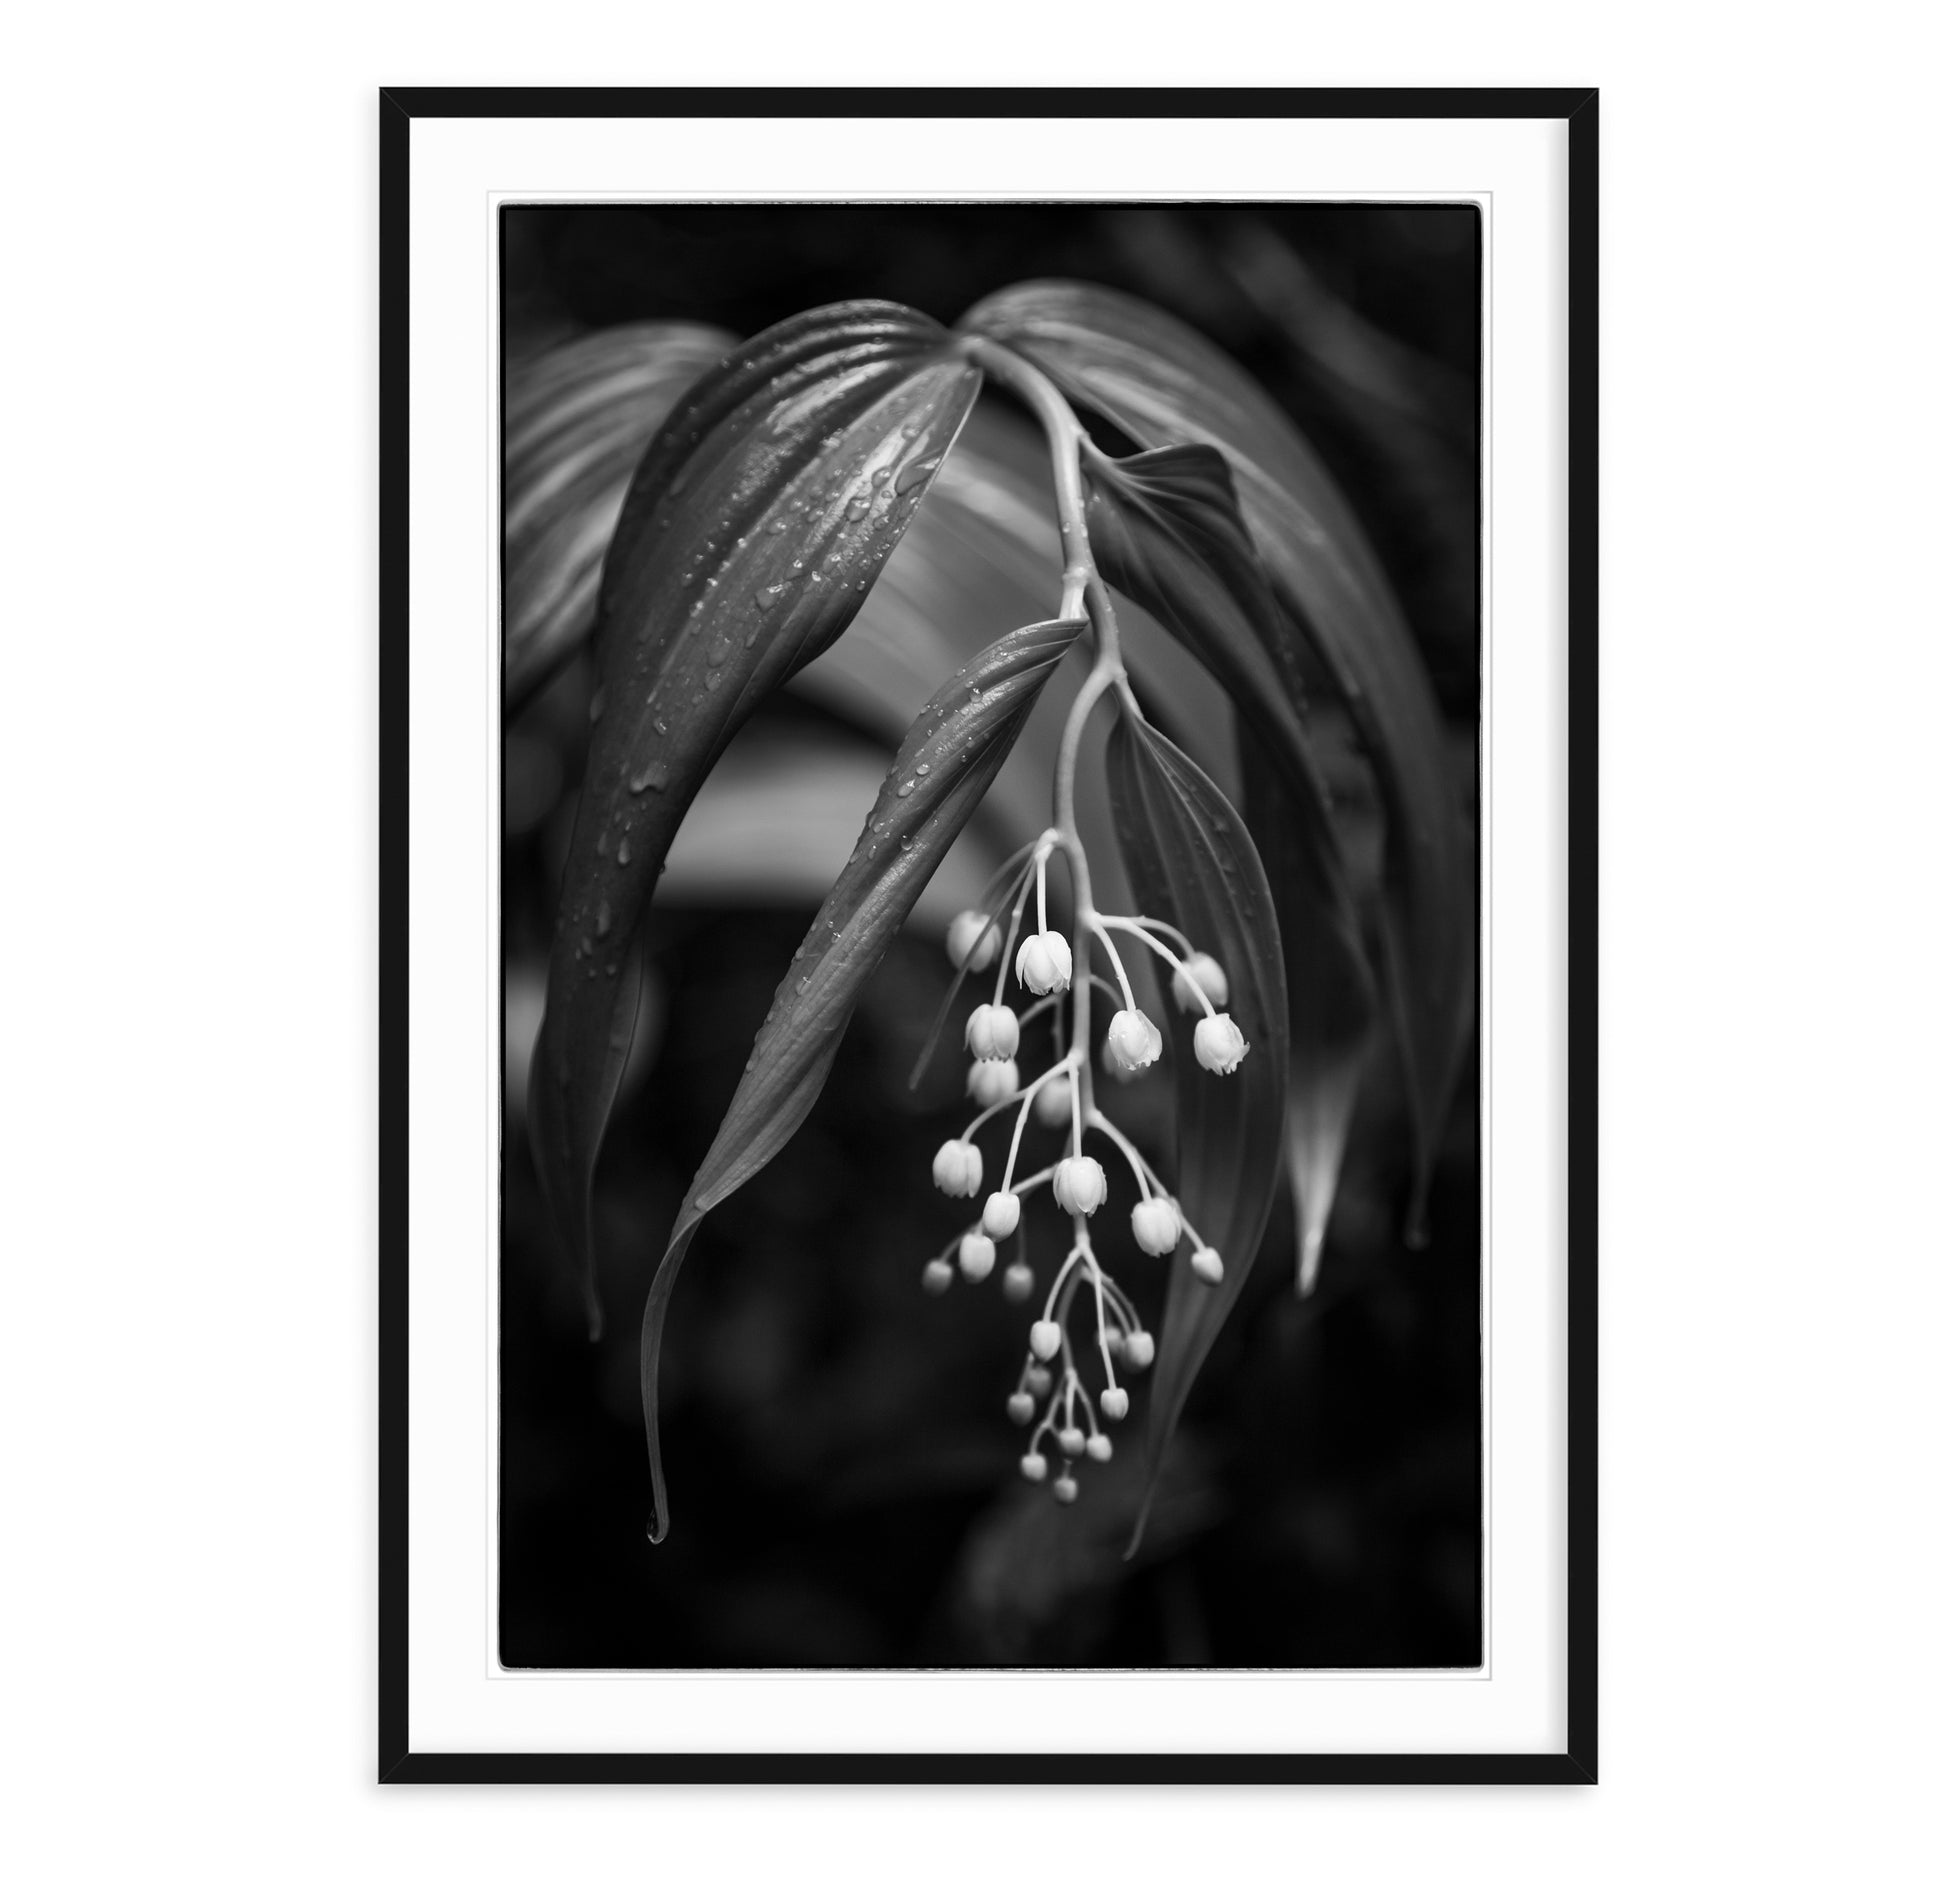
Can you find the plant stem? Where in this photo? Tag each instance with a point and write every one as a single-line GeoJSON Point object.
{"type": "Point", "coordinates": [1081, 584]}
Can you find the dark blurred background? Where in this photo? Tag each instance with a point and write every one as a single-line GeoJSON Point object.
{"type": "Point", "coordinates": [842, 1471]}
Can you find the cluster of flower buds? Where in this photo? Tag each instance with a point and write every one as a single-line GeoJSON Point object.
{"type": "Point", "coordinates": [1051, 1398]}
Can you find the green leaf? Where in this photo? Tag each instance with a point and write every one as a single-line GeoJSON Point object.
{"type": "Point", "coordinates": [579, 417]}
{"type": "Point", "coordinates": [1165, 530]}
{"type": "Point", "coordinates": [751, 532]}
{"type": "Point", "coordinates": [947, 762]}
{"type": "Point", "coordinates": [1162, 384]}
{"type": "Point", "coordinates": [1193, 865]}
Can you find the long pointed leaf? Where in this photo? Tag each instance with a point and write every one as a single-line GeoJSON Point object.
{"type": "Point", "coordinates": [1193, 865]}
{"type": "Point", "coordinates": [1163, 384]}
{"type": "Point", "coordinates": [1166, 531]}
{"type": "Point", "coordinates": [946, 764]}
{"type": "Point", "coordinates": [750, 534]}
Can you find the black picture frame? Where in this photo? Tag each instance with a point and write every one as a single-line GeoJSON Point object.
{"type": "Point", "coordinates": [1576, 1763]}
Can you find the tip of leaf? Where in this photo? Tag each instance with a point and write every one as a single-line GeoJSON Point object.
{"type": "Point", "coordinates": [1309, 1261]}
{"type": "Point", "coordinates": [1141, 1526]}
{"type": "Point", "coordinates": [658, 1528]}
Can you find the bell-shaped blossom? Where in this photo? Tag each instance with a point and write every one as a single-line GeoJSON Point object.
{"type": "Point", "coordinates": [1207, 1265]}
{"type": "Point", "coordinates": [1000, 1217]}
{"type": "Point", "coordinates": [1054, 1104]}
{"type": "Point", "coordinates": [1080, 1185]}
{"type": "Point", "coordinates": [972, 941]}
{"type": "Point", "coordinates": [976, 1256]}
{"type": "Point", "coordinates": [1134, 1042]}
{"type": "Point", "coordinates": [956, 1169]}
{"type": "Point", "coordinates": [1200, 972]}
{"type": "Point", "coordinates": [988, 1083]}
{"type": "Point", "coordinates": [1219, 1044]}
{"type": "Point", "coordinates": [1158, 1226]}
{"type": "Point", "coordinates": [993, 1032]}
{"type": "Point", "coordinates": [1044, 962]}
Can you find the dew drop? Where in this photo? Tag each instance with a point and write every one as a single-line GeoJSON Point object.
{"type": "Point", "coordinates": [712, 681]}
{"type": "Point", "coordinates": [596, 703]}
{"type": "Point", "coordinates": [601, 919]}
{"type": "Point", "coordinates": [905, 789]}
{"type": "Point", "coordinates": [621, 852]}
{"type": "Point", "coordinates": [601, 843]}
{"type": "Point", "coordinates": [924, 768]}
{"type": "Point", "coordinates": [652, 779]}
{"type": "Point", "coordinates": [718, 651]}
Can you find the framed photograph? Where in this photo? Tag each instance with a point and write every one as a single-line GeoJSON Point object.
{"type": "Point", "coordinates": [988, 888]}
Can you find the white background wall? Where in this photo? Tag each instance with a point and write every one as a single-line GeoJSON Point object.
{"type": "Point", "coordinates": [189, 448]}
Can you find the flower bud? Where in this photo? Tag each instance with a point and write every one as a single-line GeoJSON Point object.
{"type": "Point", "coordinates": [1054, 1104]}
{"type": "Point", "coordinates": [1072, 1440]}
{"type": "Point", "coordinates": [1139, 1352]}
{"type": "Point", "coordinates": [1207, 1265]}
{"type": "Point", "coordinates": [1100, 1448]}
{"type": "Point", "coordinates": [1034, 1467]}
{"type": "Point", "coordinates": [988, 1083]}
{"type": "Point", "coordinates": [937, 1277]}
{"type": "Point", "coordinates": [1199, 971]}
{"type": "Point", "coordinates": [1065, 1490]}
{"type": "Point", "coordinates": [956, 1169]}
{"type": "Point", "coordinates": [1112, 1065]}
{"type": "Point", "coordinates": [993, 1032]}
{"type": "Point", "coordinates": [1220, 1044]}
{"type": "Point", "coordinates": [1045, 1340]}
{"type": "Point", "coordinates": [1133, 1041]}
{"type": "Point", "coordinates": [1044, 962]}
{"type": "Point", "coordinates": [1020, 1407]}
{"type": "Point", "coordinates": [1000, 1217]}
{"type": "Point", "coordinates": [1113, 1341]}
{"type": "Point", "coordinates": [1017, 1284]}
{"type": "Point", "coordinates": [1114, 1405]}
{"type": "Point", "coordinates": [972, 942]}
{"type": "Point", "coordinates": [1080, 1185]}
{"type": "Point", "coordinates": [1036, 1381]}
{"type": "Point", "coordinates": [1158, 1226]}
{"type": "Point", "coordinates": [975, 1256]}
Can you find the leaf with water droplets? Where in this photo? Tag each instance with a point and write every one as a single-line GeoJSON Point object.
{"type": "Point", "coordinates": [1166, 531]}
{"type": "Point", "coordinates": [579, 417]}
{"type": "Point", "coordinates": [1192, 864]}
{"type": "Point", "coordinates": [790, 428]}
{"type": "Point", "coordinates": [1162, 384]}
{"type": "Point", "coordinates": [850, 934]}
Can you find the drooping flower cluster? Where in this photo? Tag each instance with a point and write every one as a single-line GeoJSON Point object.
{"type": "Point", "coordinates": [1051, 1397]}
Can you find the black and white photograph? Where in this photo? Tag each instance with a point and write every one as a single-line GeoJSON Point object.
{"type": "Point", "coordinates": [988, 901]}
{"type": "Point", "coordinates": [971, 946]}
